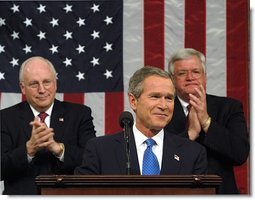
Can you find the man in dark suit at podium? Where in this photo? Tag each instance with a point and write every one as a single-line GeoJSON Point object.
{"type": "Point", "coordinates": [49, 144]}
{"type": "Point", "coordinates": [151, 97]}
{"type": "Point", "coordinates": [220, 121]}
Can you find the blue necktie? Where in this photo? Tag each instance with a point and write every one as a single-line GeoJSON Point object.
{"type": "Point", "coordinates": [150, 161]}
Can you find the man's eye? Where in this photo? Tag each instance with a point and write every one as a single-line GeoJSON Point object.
{"type": "Point", "coordinates": [33, 84]}
{"type": "Point", "coordinates": [181, 73]}
{"type": "Point", "coordinates": [170, 98]}
{"type": "Point", "coordinates": [196, 72]}
{"type": "Point", "coordinates": [48, 82]}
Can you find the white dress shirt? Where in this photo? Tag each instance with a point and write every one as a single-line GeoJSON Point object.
{"type": "Point", "coordinates": [47, 119]}
{"type": "Point", "coordinates": [141, 145]}
{"type": "Point", "coordinates": [47, 122]}
{"type": "Point", "coordinates": [184, 106]}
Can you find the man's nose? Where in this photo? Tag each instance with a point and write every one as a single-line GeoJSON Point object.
{"type": "Point", "coordinates": [162, 102]}
{"type": "Point", "coordinates": [41, 87]}
{"type": "Point", "coordinates": [190, 75]}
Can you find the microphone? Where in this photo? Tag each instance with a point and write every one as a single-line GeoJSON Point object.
{"type": "Point", "coordinates": [126, 121]}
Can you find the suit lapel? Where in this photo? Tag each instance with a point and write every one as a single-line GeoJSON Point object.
{"type": "Point", "coordinates": [178, 121]}
{"type": "Point", "coordinates": [58, 119]}
{"type": "Point", "coordinates": [171, 160]}
{"type": "Point", "coordinates": [26, 116]}
{"type": "Point", "coordinates": [134, 158]}
{"type": "Point", "coordinates": [122, 156]}
{"type": "Point", "coordinates": [211, 106]}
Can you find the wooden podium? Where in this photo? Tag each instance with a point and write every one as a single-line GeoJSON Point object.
{"type": "Point", "coordinates": [127, 184]}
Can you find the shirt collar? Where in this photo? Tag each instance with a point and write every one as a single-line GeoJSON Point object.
{"type": "Point", "coordinates": [36, 113]}
{"type": "Point", "coordinates": [140, 137]}
{"type": "Point", "coordinates": [184, 105]}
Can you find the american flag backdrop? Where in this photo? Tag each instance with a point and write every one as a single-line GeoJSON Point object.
{"type": "Point", "coordinates": [97, 45]}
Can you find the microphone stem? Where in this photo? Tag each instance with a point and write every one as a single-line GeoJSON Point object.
{"type": "Point", "coordinates": [126, 136]}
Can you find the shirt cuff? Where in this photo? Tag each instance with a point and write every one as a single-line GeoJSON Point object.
{"type": "Point", "coordinates": [29, 158]}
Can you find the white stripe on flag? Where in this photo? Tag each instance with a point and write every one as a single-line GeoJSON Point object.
{"type": "Point", "coordinates": [133, 42]}
{"type": "Point", "coordinates": [60, 96]}
{"type": "Point", "coordinates": [9, 99]}
{"type": "Point", "coordinates": [174, 27]}
{"type": "Point", "coordinates": [96, 101]}
{"type": "Point", "coordinates": [216, 47]}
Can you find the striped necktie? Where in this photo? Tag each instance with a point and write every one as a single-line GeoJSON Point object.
{"type": "Point", "coordinates": [42, 116]}
{"type": "Point", "coordinates": [187, 117]}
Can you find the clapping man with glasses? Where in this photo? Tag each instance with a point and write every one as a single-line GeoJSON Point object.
{"type": "Point", "coordinates": [41, 135]}
{"type": "Point", "coordinates": [218, 123]}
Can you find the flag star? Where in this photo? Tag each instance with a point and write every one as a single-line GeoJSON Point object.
{"type": "Point", "coordinates": [14, 62]}
{"type": "Point", "coordinates": [68, 8]}
{"type": "Point", "coordinates": [15, 8]}
{"type": "Point", "coordinates": [80, 76]}
{"type": "Point", "coordinates": [108, 20]}
{"type": "Point", "coordinates": [54, 22]}
{"type": "Point", "coordinates": [95, 8]}
{"type": "Point", "coordinates": [28, 22]}
{"type": "Point", "coordinates": [80, 48]}
{"type": "Point", "coordinates": [2, 48]}
{"type": "Point", "coordinates": [108, 74]}
{"type": "Point", "coordinates": [95, 61]}
{"type": "Point", "coordinates": [68, 35]}
{"type": "Point", "coordinates": [2, 21]}
{"type": "Point", "coordinates": [41, 8]}
{"type": "Point", "coordinates": [41, 35]}
{"type": "Point", "coordinates": [68, 62]}
{"type": "Point", "coordinates": [108, 47]}
{"type": "Point", "coordinates": [54, 49]}
{"type": "Point", "coordinates": [27, 49]}
{"type": "Point", "coordinates": [15, 35]}
{"type": "Point", "coordinates": [81, 22]}
{"type": "Point", "coordinates": [2, 75]}
{"type": "Point", "coordinates": [95, 34]}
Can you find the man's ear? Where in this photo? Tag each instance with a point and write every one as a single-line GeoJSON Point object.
{"type": "Point", "coordinates": [132, 101]}
{"type": "Point", "coordinates": [22, 88]}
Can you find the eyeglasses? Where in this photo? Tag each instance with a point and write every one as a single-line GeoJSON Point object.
{"type": "Point", "coordinates": [196, 73]}
{"type": "Point", "coordinates": [36, 84]}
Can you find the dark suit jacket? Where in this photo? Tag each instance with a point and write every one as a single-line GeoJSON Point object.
{"type": "Point", "coordinates": [73, 126]}
{"type": "Point", "coordinates": [106, 155]}
{"type": "Point", "coordinates": [226, 141]}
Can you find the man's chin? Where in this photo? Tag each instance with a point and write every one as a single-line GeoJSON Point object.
{"type": "Point", "coordinates": [44, 103]}
{"type": "Point", "coordinates": [190, 91]}
{"type": "Point", "coordinates": [160, 126]}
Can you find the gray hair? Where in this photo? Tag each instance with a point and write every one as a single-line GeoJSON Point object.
{"type": "Point", "coordinates": [21, 71]}
{"type": "Point", "coordinates": [183, 54]}
{"type": "Point", "coordinates": [136, 81]}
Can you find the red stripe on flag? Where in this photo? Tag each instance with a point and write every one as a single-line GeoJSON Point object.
{"type": "Point", "coordinates": [237, 68]}
{"type": "Point", "coordinates": [114, 106]}
{"type": "Point", "coordinates": [195, 24]}
{"type": "Point", "coordinates": [154, 33]}
{"type": "Point", "coordinates": [237, 51]}
{"type": "Point", "coordinates": [74, 97]}
{"type": "Point", "coordinates": [23, 97]}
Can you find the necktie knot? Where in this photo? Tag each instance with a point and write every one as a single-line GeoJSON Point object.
{"type": "Point", "coordinates": [42, 116]}
{"type": "Point", "coordinates": [150, 142]}
{"type": "Point", "coordinates": [188, 108]}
